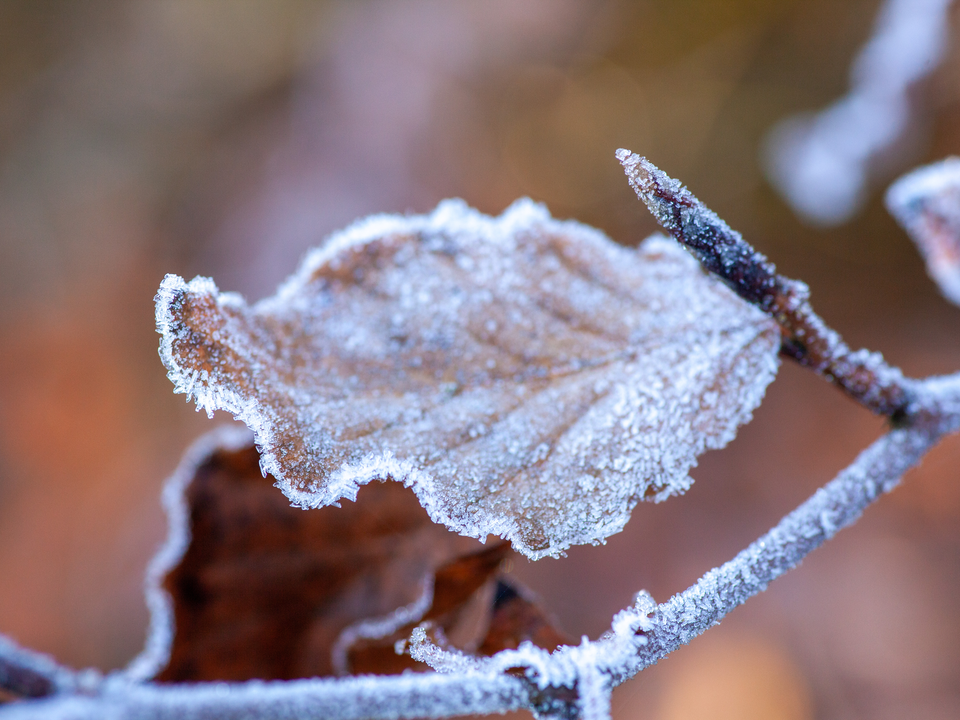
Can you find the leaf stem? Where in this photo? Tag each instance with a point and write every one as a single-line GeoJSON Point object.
{"type": "Point", "coordinates": [572, 679]}
{"type": "Point", "coordinates": [838, 504]}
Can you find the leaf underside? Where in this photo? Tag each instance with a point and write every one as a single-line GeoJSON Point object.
{"type": "Point", "coordinates": [527, 377]}
{"type": "Point", "coordinates": [260, 589]}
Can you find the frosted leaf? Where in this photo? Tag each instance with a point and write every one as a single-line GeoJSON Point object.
{"type": "Point", "coordinates": [249, 587]}
{"type": "Point", "coordinates": [926, 202]}
{"type": "Point", "coordinates": [527, 377]}
{"type": "Point", "coordinates": [459, 604]}
{"type": "Point", "coordinates": [160, 635]}
{"type": "Point", "coordinates": [517, 618]}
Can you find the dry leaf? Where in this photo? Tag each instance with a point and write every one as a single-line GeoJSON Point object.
{"type": "Point", "coordinates": [457, 611]}
{"type": "Point", "coordinates": [461, 615]}
{"type": "Point", "coordinates": [516, 619]}
{"type": "Point", "coordinates": [527, 377]}
{"type": "Point", "coordinates": [264, 590]}
{"type": "Point", "coordinates": [261, 589]}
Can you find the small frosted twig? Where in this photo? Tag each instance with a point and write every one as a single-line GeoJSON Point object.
{"type": "Point", "coordinates": [412, 695]}
{"type": "Point", "coordinates": [832, 508]}
{"type": "Point", "coordinates": [571, 679]}
{"type": "Point", "coordinates": [837, 505]}
{"type": "Point", "coordinates": [29, 674]}
{"type": "Point", "coordinates": [594, 690]}
{"type": "Point", "coordinates": [805, 337]}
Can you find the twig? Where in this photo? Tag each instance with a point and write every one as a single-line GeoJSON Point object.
{"type": "Point", "coordinates": [805, 337]}
{"type": "Point", "coordinates": [577, 680]}
{"type": "Point", "coordinates": [396, 696]}
{"type": "Point", "coordinates": [833, 507]}
{"type": "Point", "coordinates": [823, 163]}
{"type": "Point", "coordinates": [674, 623]}
{"type": "Point", "coordinates": [28, 674]}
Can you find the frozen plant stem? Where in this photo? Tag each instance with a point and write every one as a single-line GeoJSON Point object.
{"type": "Point", "coordinates": [571, 681]}
{"type": "Point", "coordinates": [824, 163]}
{"type": "Point", "coordinates": [670, 625]}
{"type": "Point", "coordinates": [833, 507]}
{"type": "Point", "coordinates": [722, 251]}
{"type": "Point", "coordinates": [28, 674]}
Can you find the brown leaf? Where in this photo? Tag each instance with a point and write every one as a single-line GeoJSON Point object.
{"type": "Point", "coordinates": [481, 623]}
{"type": "Point", "coordinates": [518, 619]}
{"type": "Point", "coordinates": [461, 621]}
{"type": "Point", "coordinates": [261, 589]}
{"type": "Point", "coordinates": [264, 589]}
{"type": "Point", "coordinates": [527, 377]}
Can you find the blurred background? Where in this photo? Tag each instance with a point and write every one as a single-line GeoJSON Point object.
{"type": "Point", "coordinates": [224, 138]}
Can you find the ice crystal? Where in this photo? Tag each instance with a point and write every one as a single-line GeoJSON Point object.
{"type": "Point", "coordinates": [526, 376]}
{"type": "Point", "coordinates": [593, 667]}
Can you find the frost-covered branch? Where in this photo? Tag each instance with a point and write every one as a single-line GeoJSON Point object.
{"type": "Point", "coordinates": [402, 696]}
{"type": "Point", "coordinates": [28, 674]}
{"type": "Point", "coordinates": [835, 506]}
{"type": "Point", "coordinates": [572, 680]}
{"type": "Point", "coordinates": [805, 337]}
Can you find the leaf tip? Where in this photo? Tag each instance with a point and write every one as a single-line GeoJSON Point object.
{"type": "Point", "coordinates": [659, 192]}
{"type": "Point", "coordinates": [625, 156]}
{"type": "Point", "coordinates": [637, 168]}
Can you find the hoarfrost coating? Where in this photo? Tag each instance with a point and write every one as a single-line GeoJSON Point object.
{"type": "Point", "coordinates": [526, 376]}
{"type": "Point", "coordinates": [156, 652]}
{"type": "Point", "coordinates": [639, 637]}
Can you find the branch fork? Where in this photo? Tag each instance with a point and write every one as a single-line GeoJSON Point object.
{"type": "Point", "coordinates": [574, 681]}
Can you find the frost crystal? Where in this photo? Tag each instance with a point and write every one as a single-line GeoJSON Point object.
{"type": "Point", "coordinates": [592, 667]}
{"type": "Point", "coordinates": [527, 377]}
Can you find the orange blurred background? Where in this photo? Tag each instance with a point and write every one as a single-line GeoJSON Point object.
{"type": "Point", "coordinates": [225, 138]}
